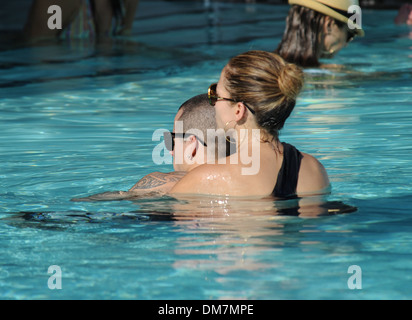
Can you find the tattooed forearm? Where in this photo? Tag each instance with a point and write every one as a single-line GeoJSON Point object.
{"type": "Point", "coordinates": [119, 195]}
{"type": "Point", "coordinates": [105, 196]}
{"type": "Point", "coordinates": [154, 184]}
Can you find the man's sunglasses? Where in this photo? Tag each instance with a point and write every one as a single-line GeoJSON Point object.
{"type": "Point", "coordinates": [213, 97]}
{"type": "Point", "coordinates": [169, 138]}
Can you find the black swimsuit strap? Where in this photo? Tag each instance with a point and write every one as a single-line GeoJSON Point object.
{"type": "Point", "coordinates": [288, 174]}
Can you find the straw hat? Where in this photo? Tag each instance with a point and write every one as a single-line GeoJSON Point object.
{"type": "Point", "coordinates": [337, 9]}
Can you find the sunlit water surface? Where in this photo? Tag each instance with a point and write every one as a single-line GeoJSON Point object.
{"type": "Point", "coordinates": [77, 120]}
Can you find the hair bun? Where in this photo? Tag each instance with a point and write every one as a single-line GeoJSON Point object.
{"type": "Point", "coordinates": [290, 81]}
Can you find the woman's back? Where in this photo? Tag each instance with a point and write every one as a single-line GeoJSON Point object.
{"type": "Point", "coordinates": [281, 174]}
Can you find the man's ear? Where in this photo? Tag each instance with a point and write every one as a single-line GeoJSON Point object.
{"type": "Point", "coordinates": [194, 144]}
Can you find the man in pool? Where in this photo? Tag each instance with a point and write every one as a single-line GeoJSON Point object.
{"type": "Point", "coordinates": [188, 151]}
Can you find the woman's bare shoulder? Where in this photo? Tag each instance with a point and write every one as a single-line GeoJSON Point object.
{"type": "Point", "coordinates": [313, 177]}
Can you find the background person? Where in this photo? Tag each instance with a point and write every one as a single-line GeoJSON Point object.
{"type": "Point", "coordinates": [316, 29]}
{"type": "Point", "coordinates": [404, 15]}
{"type": "Point", "coordinates": [81, 19]}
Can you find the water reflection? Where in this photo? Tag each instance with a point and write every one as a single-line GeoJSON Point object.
{"type": "Point", "coordinates": [227, 236]}
{"type": "Point", "coordinates": [217, 243]}
{"type": "Point", "coordinates": [195, 209]}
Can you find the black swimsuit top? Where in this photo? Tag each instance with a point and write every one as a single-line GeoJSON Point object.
{"type": "Point", "coordinates": [288, 174]}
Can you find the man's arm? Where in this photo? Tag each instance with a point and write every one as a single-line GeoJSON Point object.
{"type": "Point", "coordinates": [153, 184]}
{"type": "Point", "coordinates": [158, 181]}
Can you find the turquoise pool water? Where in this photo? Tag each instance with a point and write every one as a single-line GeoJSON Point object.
{"type": "Point", "coordinates": [77, 120]}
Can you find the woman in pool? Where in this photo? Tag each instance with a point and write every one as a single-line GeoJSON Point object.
{"type": "Point", "coordinates": [255, 95]}
{"type": "Point", "coordinates": [317, 29]}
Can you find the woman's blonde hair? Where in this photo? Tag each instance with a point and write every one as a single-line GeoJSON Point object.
{"type": "Point", "coordinates": [268, 84]}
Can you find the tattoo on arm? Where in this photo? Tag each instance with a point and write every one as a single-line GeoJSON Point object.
{"type": "Point", "coordinates": [157, 180]}
{"type": "Point", "coordinates": [154, 184]}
